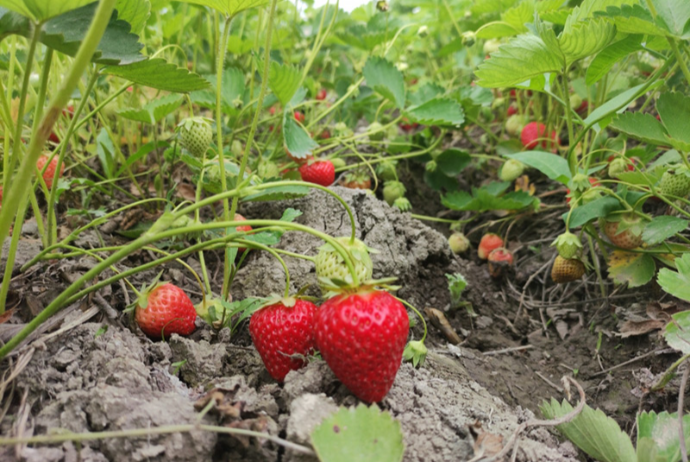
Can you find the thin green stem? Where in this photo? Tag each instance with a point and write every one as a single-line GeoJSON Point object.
{"type": "Point", "coordinates": [418, 314]}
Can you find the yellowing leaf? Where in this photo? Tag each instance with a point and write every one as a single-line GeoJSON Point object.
{"type": "Point", "coordinates": [635, 269]}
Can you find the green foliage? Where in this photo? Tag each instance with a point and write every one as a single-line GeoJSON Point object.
{"type": "Point", "coordinates": [385, 79]}
{"type": "Point", "coordinates": [297, 140]}
{"type": "Point", "coordinates": [677, 283]}
{"type": "Point", "coordinates": [438, 111]}
{"type": "Point", "coordinates": [549, 164]}
{"type": "Point", "coordinates": [487, 198]}
{"type": "Point", "coordinates": [38, 10]}
{"type": "Point", "coordinates": [663, 227]}
{"type": "Point", "coordinates": [231, 91]}
{"type": "Point", "coordinates": [154, 111]}
{"type": "Point", "coordinates": [364, 434]}
{"type": "Point", "coordinates": [229, 7]}
{"type": "Point", "coordinates": [157, 73]}
{"type": "Point", "coordinates": [456, 285]}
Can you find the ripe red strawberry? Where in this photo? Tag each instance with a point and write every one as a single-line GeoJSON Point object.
{"type": "Point", "coordinates": [362, 337]}
{"type": "Point", "coordinates": [512, 110]}
{"type": "Point", "coordinates": [628, 239]}
{"type": "Point", "coordinates": [319, 172]}
{"type": "Point", "coordinates": [299, 117]}
{"type": "Point", "coordinates": [283, 334]}
{"type": "Point", "coordinates": [243, 228]}
{"type": "Point", "coordinates": [321, 95]}
{"type": "Point", "coordinates": [489, 242]}
{"type": "Point", "coordinates": [499, 259]}
{"type": "Point", "coordinates": [408, 126]}
{"type": "Point", "coordinates": [54, 138]}
{"type": "Point", "coordinates": [163, 310]}
{"type": "Point", "coordinates": [533, 132]}
{"type": "Point", "coordinates": [566, 270]}
{"type": "Point", "coordinates": [272, 110]}
{"type": "Point", "coordinates": [325, 134]}
{"type": "Point", "coordinates": [50, 169]}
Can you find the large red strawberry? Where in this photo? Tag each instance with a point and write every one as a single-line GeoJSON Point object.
{"type": "Point", "coordinates": [283, 334]}
{"type": "Point", "coordinates": [50, 169]}
{"type": "Point", "coordinates": [163, 310]}
{"type": "Point", "coordinates": [362, 337]}
{"type": "Point", "coordinates": [532, 136]}
{"type": "Point", "coordinates": [319, 172]}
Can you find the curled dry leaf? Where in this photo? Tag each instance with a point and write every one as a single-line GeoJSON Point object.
{"type": "Point", "coordinates": [485, 444]}
{"type": "Point", "coordinates": [439, 321]}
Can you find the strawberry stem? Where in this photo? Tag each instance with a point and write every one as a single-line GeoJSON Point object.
{"type": "Point", "coordinates": [417, 313]}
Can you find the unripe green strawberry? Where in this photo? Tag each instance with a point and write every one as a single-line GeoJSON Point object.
{"type": "Point", "coordinates": [393, 190]}
{"type": "Point", "coordinates": [338, 162]}
{"type": "Point", "coordinates": [617, 166]}
{"type": "Point", "coordinates": [196, 135]}
{"type": "Point", "coordinates": [567, 244]}
{"type": "Point", "coordinates": [268, 170]}
{"type": "Point", "coordinates": [386, 170]}
{"type": "Point", "coordinates": [511, 170]}
{"type": "Point", "coordinates": [458, 243]}
{"type": "Point", "coordinates": [491, 46]}
{"type": "Point", "coordinates": [375, 132]}
{"type": "Point", "coordinates": [675, 182]}
{"type": "Point", "coordinates": [331, 265]}
{"type": "Point", "coordinates": [624, 231]}
{"type": "Point", "coordinates": [515, 123]}
{"type": "Point", "coordinates": [575, 101]}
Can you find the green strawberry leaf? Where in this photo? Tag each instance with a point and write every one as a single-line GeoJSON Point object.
{"type": "Point", "coordinates": [674, 16]}
{"type": "Point", "coordinates": [615, 104]}
{"type": "Point", "coordinates": [39, 11]}
{"type": "Point", "coordinates": [456, 285]}
{"type": "Point", "coordinates": [551, 165]}
{"type": "Point", "coordinates": [677, 333]}
{"type": "Point", "coordinates": [677, 283]}
{"type": "Point", "coordinates": [297, 140]}
{"type": "Point", "coordinates": [453, 161]}
{"type": "Point", "coordinates": [278, 193]}
{"type": "Point", "coordinates": [661, 430]}
{"type": "Point", "coordinates": [602, 64]}
{"type": "Point", "coordinates": [599, 208]}
{"type": "Point", "coordinates": [523, 58]}
{"type": "Point", "coordinates": [485, 199]}
{"type": "Point", "coordinates": [364, 434]}
{"type": "Point", "coordinates": [635, 269]}
{"type": "Point", "coordinates": [674, 111]}
{"type": "Point", "coordinates": [633, 19]}
{"type": "Point", "coordinates": [643, 127]}
{"type": "Point", "coordinates": [581, 39]}
{"type": "Point", "coordinates": [662, 228]}
{"type": "Point", "coordinates": [593, 432]}
{"type": "Point", "coordinates": [283, 80]}
{"type": "Point", "coordinates": [159, 74]}
{"type": "Point", "coordinates": [106, 153]}
{"type": "Point", "coordinates": [232, 90]}
{"type": "Point", "coordinates": [154, 111]}
{"type": "Point", "coordinates": [425, 93]}
{"type": "Point", "coordinates": [135, 12]}
{"type": "Point", "coordinates": [229, 8]}
{"type": "Point", "coordinates": [385, 79]}
{"type": "Point", "coordinates": [438, 111]}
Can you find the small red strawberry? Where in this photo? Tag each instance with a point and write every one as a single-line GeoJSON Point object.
{"type": "Point", "coordinates": [49, 170]}
{"type": "Point", "coordinates": [283, 334]}
{"type": "Point", "coordinates": [272, 110]}
{"type": "Point", "coordinates": [243, 228]}
{"type": "Point", "coordinates": [489, 242]}
{"type": "Point", "coordinates": [163, 310]}
{"type": "Point", "coordinates": [408, 126]}
{"type": "Point", "coordinates": [54, 138]}
{"type": "Point", "coordinates": [319, 172]}
{"type": "Point", "coordinates": [512, 110]}
{"type": "Point", "coordinates": [362, 336]}
{"type": "Point", "coordinates": [325, 134]}
{"type": "Point", "coordinates": [299, 117]}
{"type": "Point", "coordinates": [499, 259]}
{"type": "Point", "coordinates": [321, 95]}
{"type": "Point", "coordinates": [532, 136]}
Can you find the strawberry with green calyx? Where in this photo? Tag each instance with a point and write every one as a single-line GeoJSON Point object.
{"type": "Point", "coordinates": [299, 116]}
{"type": "Point", "coordinates": [616, 167]}
{"type": "Point", "coordinates": [163, 309]}
{"type": "Point", "coordinates": [624, 231]}
{"type": "Point", "coordinates": [361, 335]}
{"type": "Point", "coordinates": [431, 166]}
{"type": "Point", "coordinates": [458, 243]}
{"type": "Point", "coordinates": [330, 264]}
{"type": "Point", "coordinates": [568, 245]}
{"type": "Point", "coordinates": [675, 182]}
{"type": "Point", "coordinates": [489, 242]}
{"type": "Point", "coordinates": [268, 170]}
{"type": "Point", "coordinates": [585, 193]}
{"type": "Point", "coordinates": [386, 170]}
{"type": "Point", "coordinates": [283, 332]}
{"type": "Point", "coordinates": [402, 204]}
{"type": "Point", "coordinates": [534, 135]}
{"type": "Point", "coordinates": [511, 170]}
{"type": "Point", "coordinates": [321, 95]}
{"type": "Point", "coordinates": [196, 135]}
{"type": "Point", "coordinates": [393, 190]}
{"type": "Point", "coordinates": [566, 270]}
{"type": "Point", "coordinates": [356, 180]}
{"type": "Point", "coordinates": [321, 172]}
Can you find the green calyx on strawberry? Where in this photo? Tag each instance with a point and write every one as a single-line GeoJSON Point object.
{"type": "Point", "coordinates": [416, 352]}
{"type": "Point", "coordinates": [358, 179]}
{"type": "Point", "coordinates": [214, 312]}
{"type": "Point", "coordinates": [402, 204]}
{"type": "Point", "coordinates": [393, 190]}
{"type": "Point", "coordinates": [617, 166]}
{"type": "Point", "coordinates": [331, 267]}
{"type": "Point", "coordinates": [580, 183]}
{"type": "Point", "coordinates": [196, 135]}
{"type": "Point", "coordinates": [283, 332]}
{"type": "Point", "coordinates": [675, 182]}
{"type": "Point", "coordinates": [568, 245]}
{"type": "Point", "coordinates": [511, 170]}
{"type": "Point", "coordinates": [624, 231]}
{"type": "Point", "coordinates": [362, 336]}
{"type": "Point", "coordinates": [163, 309]}
{"type": "Point", "coordinates": [268, 170]}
